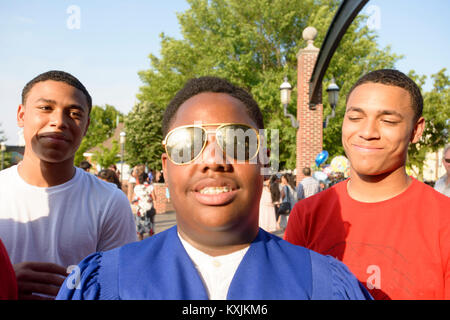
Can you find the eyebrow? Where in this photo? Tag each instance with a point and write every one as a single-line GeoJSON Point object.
{"type": "Point", "coordinates": [380, 112]}
{"type": "Point", "coordinates": [50, 101]}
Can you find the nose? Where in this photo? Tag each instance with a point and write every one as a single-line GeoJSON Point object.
{"type": "Point", "coordinates": [58, 119]}
{"type": "Point", "coordinates": [369, 130]}
{"type": "Point", "coordinates": [212, 157]}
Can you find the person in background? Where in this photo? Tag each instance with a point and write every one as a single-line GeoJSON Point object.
{"type": "Point", "coordinates": [287, 202]}
{"type": "Point", "coordinates": [308, 186]}
{"type": "Point", "coordinates": [443, 184]}
{"type": "Point", "coordinates": [85, 165]}
{"type": "Point", "coordinates": [109, 175]}
{"type": "Point", "coordinates": [135, 172]}
{"type": "Point", "coordinates": [267, 209]}
{"type": "Point", "coordinates": [275, 194]}
{"type": "Point", "coordinates": [144, 197]}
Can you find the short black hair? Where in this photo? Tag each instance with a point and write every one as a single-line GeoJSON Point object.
{"type": "Point", "coordinates": [85, 165]}
{"type": "Point", "coordinates": [211, 84]}
{"type": "Point", "coordinates": [142, 177]}
{"type": "Point", "coordinates": [395, 78]}
{"type": "Point", "coordinates": [61, 76]}
{"type": "Point", "coordinates": [306, 171]}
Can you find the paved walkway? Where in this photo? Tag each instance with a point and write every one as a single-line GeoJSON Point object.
{"type": "Point", "coordinates": [166, 220]}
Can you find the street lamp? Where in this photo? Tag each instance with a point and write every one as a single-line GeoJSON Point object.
{"type": "Point", "coordinates": [3, 149]}
{"type": "Point", "coordinates": [285, 92]}
{"type": "Point", "coordinates": [333, 96]}
{"type": "Point", "coordinates": [122, 147]}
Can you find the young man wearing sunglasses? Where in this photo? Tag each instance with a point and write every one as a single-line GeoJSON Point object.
{"type": "Point", "coordinates": [391, 230]}
{"type": "Point", "coordinates": [216, 250]}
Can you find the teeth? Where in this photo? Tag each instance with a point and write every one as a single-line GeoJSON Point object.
{"type": "Point", "coordinates": [215, 190]}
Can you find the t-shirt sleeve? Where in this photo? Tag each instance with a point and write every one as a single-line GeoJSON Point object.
{"type": "Point", "coordinates": [82, 283]}
{"type": "Point", "coordinates": [117, 226]}
{"type": "Point", "coordinates": [344, 283]}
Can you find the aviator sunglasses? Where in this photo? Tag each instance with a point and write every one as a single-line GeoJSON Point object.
{"type": "Point", "coordinates": [237, 141]}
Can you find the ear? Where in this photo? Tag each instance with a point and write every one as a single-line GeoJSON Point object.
{"type": "Point", "coordinates": [164, 160]}
{"type": "Point", "coordinates": [418, 130]}
{"type": "Point", "coordinates": [21, 116]}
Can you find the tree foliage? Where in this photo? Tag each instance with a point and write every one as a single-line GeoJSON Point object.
{"type": "Point", "coordinates": [106, 157]}
{"type": "Point", "coordinates": [254, 44]}
{"type": "Point", "coordinates": [436, 111]}
{"type": "Point", "coordinates": [6, 156]}
{"type": "Point", "coordinates": [144, 137]}
{"type": "Point", "coordinates": [103, 121]}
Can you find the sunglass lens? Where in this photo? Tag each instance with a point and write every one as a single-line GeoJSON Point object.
{"type": "Point", "coordinates": [239, 142]}
{"type": "Point", "coordinates": [185, 144]}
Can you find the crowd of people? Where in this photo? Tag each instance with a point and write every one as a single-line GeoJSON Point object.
{"type": "Point", "coordinates": [66, 234]}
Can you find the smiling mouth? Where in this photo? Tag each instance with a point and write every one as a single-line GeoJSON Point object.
{"type": "Point", "coordinates": [365, 148]}
{"type": "Point", "coordinates": [215, 190]}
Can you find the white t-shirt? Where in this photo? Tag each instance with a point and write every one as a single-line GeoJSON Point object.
{"type": "Point", "coordinates": [216, 272]}
{"type": "Point", "coordinates": [62, 224]}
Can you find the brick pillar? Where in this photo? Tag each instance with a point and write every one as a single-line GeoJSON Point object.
{"type": "Point", "coordinates": [309, 134]}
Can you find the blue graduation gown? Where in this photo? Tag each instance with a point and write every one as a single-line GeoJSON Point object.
{"type": "Point", "coordinates": [160, 268]}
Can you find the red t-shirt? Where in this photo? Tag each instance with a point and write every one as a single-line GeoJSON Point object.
{"type": "Point", "coordinates": [8, 284]}
{"type": "Point", "coordinates": [398, 248]}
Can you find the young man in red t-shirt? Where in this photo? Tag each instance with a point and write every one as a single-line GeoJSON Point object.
{"type": "Point", "coordinates": [391, 230]}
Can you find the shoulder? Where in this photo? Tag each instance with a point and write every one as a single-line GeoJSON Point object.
{"type": "Point", "coordinates": [325, 197]}
{"type": "Point", "coordinates": [98, 188]}
{"type": "Point", "coordinates": [428, 193]}
{"type": "Point", "coordinates": [332, 280]}
{"type": "Point", "coordinates": [9, 173]}
{"type": "Point", "coordinates": [83, 282]}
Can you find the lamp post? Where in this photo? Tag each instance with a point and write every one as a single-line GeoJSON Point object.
{"type": "Point", "coordinates": [122, 147]}
{"type": "Point", "coordinates": [333, 96]}
{"type": "Point", "coordinates": [3, 149]}
{"type": "Point", "coordinates": [285, 92]}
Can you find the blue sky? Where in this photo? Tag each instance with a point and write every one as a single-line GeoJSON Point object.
{"type": "Point", "coordinates": [116, 37]}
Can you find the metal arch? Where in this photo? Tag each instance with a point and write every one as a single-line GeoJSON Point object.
{"type": "Point", "coordinates": [344, 16]}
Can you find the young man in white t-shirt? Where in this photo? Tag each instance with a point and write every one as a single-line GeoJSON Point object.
{"type": "Point", "coordinates": [53, 214]}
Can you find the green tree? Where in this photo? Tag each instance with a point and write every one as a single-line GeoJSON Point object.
{"type": "Point", "coordinates": [107, 157]}
{"type": "Point", "coordinates": [436, 111]}
{"type": "Point", "coordinates": [144, 137]}
{"type": "Point", "coordinates": [103, 121]}
{"type": "Point", "coordinates": [254, 44]}
{"type": "Point", "coordinates": [6, 156]}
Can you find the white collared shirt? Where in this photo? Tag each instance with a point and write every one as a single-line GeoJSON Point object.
{"type": "Point", "coordinates": [216, 272]}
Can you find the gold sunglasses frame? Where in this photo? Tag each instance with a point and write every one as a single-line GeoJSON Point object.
{"type": "Point", "coordinates": [202, 126]}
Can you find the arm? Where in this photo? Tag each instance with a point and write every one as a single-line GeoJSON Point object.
{"type": "Point", "coordinates": [300, 192]}
{"type": "Point", "coordinates": [117, 226]}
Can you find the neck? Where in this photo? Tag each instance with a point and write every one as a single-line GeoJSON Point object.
{"type": "Point", "coordinates": [45, 174]}
{"type": "Point", "coordinates": [378, 188]}
{"type": "Point", "coordinates": [223, 244]}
